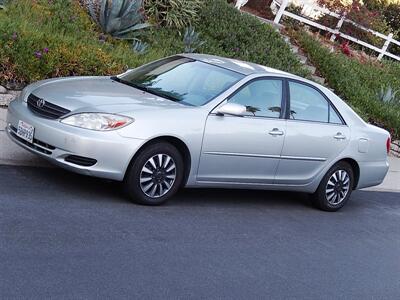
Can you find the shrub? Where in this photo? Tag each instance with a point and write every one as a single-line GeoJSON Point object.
{"type": "Point", "coordinates": [41, 39]}
{"type": "Point", "coordinates": [391, 13]}
{"type": "Point", "coordinates": [360, 14]}
{"type": "Point", "coordinates": [173, 13]}
{"type": "Point", "coordinates": [228, 32]}
{"type": "Point", "coordinates": [392, 16]}
{"type": "Point", "coordinates": [358, 83]}
{"type": "Point", "coordinates": [295, 9]}
{"type": "Point", "coordinates": [44, 39]}
{"type": "Point", "coordinates": [261, 8]}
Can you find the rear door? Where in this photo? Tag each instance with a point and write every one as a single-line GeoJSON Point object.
{"type": "Point", "coordinates": [315, 135]}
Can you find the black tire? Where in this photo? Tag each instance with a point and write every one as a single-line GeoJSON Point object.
{"type": "Point", "coordinates": [132, 183]}
{"type": "Point", "coordinates": [320, 198]}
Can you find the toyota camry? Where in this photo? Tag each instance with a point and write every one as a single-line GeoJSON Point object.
{"type": "Point", "coordinates": [196, 120]}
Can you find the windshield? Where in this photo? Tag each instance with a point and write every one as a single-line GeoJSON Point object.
{"type": "Point", "coordinates": [182, 80]}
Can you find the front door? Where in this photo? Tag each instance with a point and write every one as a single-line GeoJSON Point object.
{"type": "Point", "coordinates": [245, 149]}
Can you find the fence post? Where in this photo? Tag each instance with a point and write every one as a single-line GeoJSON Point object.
{"type": "Point", "coordinates": [338, 26]}
{"type": "Point", "coordinates": [280, 11]}
{"type": "Point", "coordinates": [240, 3]}
{"type": "Point", "coordinates": [385, 46]}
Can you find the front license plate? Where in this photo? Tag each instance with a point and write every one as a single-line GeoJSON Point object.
{"type": "Point", "coordinates": [25, 131]}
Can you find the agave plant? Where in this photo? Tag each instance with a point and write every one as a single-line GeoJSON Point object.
{"type": "Point", "coordinates": [2, 4]}
{"type": "Point", "coordinates": [120, 18]}
{"type": "Point", "coordinates": [388, 95]}
{"type": "Point", "coordinates": [139, 47]}
{"type": "Point", "coordinates": [191, 39]}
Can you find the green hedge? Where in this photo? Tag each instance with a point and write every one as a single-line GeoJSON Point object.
{"type": "Point", "coordinates": [41, 39]}
{"type": "Point", "coordinates": [357, 83]}
{"type": "Point", "coordinates": [231, 33]}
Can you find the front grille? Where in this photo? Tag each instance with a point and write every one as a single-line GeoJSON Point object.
{"type": "Point", "coordinates": [37, 145]}
{"type": "Point", "coordinates": [80, 160]}
{"type": "Point", "coordinates": [45, 109]}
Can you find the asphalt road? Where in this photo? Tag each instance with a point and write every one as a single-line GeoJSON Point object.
{"type": "Point", "coordinates": [67, 236]}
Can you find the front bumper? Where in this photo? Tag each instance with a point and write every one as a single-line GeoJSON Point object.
{"type": "Point", "coordinates": [55, 141]}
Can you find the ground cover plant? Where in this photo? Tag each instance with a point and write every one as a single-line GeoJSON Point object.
{"type": "Point", "coordinates": [41, 39]}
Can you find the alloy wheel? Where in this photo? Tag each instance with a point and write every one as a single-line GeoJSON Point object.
{"type": "Point", "coordinates": [158, 175]}
{"type": "Point", "coordinates": [337, 187]}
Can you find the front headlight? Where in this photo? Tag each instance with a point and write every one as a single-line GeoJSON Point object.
{"type": "Point", "coordinates": [97, 121]}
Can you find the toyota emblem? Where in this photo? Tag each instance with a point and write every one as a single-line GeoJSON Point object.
{"type": "Point", "coordinates": [40, 103]}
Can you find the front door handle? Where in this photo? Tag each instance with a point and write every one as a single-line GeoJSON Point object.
{"type": "Point", "coordinates": [276, 132]}
{"type": "Point", "coordinates": [340, 136]}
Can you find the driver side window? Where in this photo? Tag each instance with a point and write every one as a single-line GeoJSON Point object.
{"type": "Point", "coordinates": [262, 98]}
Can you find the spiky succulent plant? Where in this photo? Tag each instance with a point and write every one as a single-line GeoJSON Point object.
{"type": "Point", "coordinates": [139, 47]}
{"type": "Point", "coordinates": [388, 95]}
{"type": "Point", "coordinates": [120, 18]}
{"type": "Point", "coordinates": [191, 39]}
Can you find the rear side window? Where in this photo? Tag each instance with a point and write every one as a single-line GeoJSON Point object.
{"type": "Point", "coordinates": [307, 104]}
{"type": "Point", "coordinates": [334, 117]}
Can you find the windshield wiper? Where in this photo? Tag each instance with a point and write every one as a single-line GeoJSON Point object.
{"type": "Point", "coordinates": [163, 94]}
{"type": "Point", "coordinates": [137, 86]}
{"type": "Point", "coordinates": [147, 89]}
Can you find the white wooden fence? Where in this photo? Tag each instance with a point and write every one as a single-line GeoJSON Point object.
{"type": "Point", "coordinates": [336, 31]}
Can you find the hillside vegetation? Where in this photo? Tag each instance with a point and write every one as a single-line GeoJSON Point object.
{"type": "Point", "coordinates": [359, 83]}
{"type": "Point", "coordinates": [41, 39]}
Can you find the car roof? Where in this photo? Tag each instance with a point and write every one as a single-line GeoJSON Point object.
{"type": "Point", "coordinates": [248, 68]}
{"type": "Point", "coordinates": [239, 66]}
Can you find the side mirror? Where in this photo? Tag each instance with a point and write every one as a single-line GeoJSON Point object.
{"type": "Point", "coordinates": [232, 109]}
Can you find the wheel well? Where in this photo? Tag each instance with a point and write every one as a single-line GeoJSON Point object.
{"type": "Point", "coordinates": [179, 144]}
{"type": "Point", "coordinates": [356, 170]}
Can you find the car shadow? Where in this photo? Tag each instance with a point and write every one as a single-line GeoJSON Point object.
{"type": "Point", "coordinates": [237, 197]}
{"type": "Point", "coordinates": [86, 188]}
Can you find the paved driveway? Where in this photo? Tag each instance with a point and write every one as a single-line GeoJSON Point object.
{"type": "Point", "coordinates": [68, 236]}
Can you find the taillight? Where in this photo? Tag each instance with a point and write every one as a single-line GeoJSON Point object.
{"type": "Point", "coordinates": [388, 142]}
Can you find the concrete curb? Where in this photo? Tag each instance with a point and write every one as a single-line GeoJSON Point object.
{"type": "Point", "coordinates": [6, 96]}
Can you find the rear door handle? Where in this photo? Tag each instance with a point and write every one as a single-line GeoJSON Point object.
{"type": "Point", "coordinates": [340, 136]}
{"type": "Point", "coordinates": [276, 132]}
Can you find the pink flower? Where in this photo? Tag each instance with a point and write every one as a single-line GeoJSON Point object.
{"type": "Point", "coordinates": [345, 48]}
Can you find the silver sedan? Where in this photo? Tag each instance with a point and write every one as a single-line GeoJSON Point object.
{"type": "Point", "coordinates": [202, 121]}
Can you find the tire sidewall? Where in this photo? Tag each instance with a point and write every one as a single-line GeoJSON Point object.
{"type": "Point", "coordinates": [321, 200]}
{"type": "Point", "coordinates": [132, 180]}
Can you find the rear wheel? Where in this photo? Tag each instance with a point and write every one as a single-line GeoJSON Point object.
{"type": "Point", "coordinates": [335, 188]}
{"type": "Point", "coordinates": [155, 175]}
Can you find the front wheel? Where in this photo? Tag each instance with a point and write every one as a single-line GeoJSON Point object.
{"type": "Point", "coordinates": [335, 188]}
{"type": "Point", "coordinates": [155, 175]}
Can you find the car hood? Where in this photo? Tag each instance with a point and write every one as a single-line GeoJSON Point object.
{"type": "Point", "coordinates": [98, 94]}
